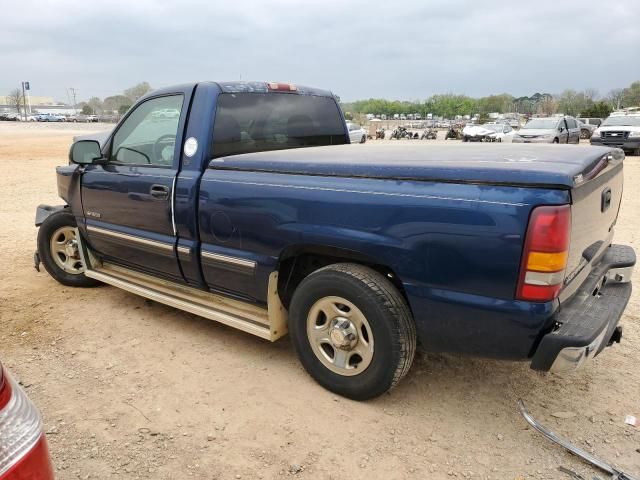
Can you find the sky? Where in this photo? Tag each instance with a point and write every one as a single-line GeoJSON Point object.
{"type": "Point", "coordinates": [408, 50]}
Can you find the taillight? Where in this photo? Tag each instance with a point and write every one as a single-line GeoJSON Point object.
{"type": "Point", "coordinates": [23, 448]}
{"type": "Point", "coordinates": [544, 258]}
{"type": "Point", "coordinates": [5, 389]}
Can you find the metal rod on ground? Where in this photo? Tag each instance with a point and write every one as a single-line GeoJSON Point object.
{"type": "Point", "coordinates": [594, 461]}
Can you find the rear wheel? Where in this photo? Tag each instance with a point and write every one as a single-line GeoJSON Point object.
{"type": "Point", "coordinates": [58, 250]}
{"type": "Point", "coordinates": [555, 140]}
{"type": "Point", "coordinates": [352, 330]}
{"type": "Point", "coordinates": [363, 139]}
{"type": "Point", "coordinates": [584, 134]}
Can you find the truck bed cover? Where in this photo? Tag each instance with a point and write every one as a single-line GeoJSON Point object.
{"type": "Point", "coordinates": [526, 165]}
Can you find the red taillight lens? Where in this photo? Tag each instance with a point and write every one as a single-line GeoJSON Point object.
{"type": "Point", "coordinates": [5, 389]}
{"type": "Point", "coordinates": [23, 449]}
{"type": "Point", "coordinates": [544, 258]}
{"type": "Point", "coordinates": [549, 229]}
{"type": "Point", "coordinates": [35, 465]}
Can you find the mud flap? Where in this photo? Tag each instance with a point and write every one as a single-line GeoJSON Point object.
{"type": "Point", "coordinates": [36, 261]}
{"type": "Point", "coordinates": [586, 456]}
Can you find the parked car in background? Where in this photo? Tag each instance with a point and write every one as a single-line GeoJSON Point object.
{"type": "Point", "coordinates": [106, 118]}
{"type": "Point", "coordinates": [357, 134]}
{"type": "Point", "coordinates": [590, 121]}
{"type": "Point", "coordinates": [50, 117]}
{"type": "Point", "coordinates": [586, 130]}
{"type": "Point", "coordinates": [24, 454]}
{"type": "Point", "coordinates": [561, 129]}
{"type": "Point", "coordinates": [488, 132]}
{"type": "Point", "coordinates": [621, 129]}
{"type": "Point", "coordinates": [166, 113]}
{"type": "Point", "coordinates": [10, 117]}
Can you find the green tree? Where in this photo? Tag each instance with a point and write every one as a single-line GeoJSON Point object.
{"type": "Point", "coordinates": [96, 104]}
{"type": "Point", "coordinates": [572, 102]}
{"type": "Point", "coordinates": [114, 102]}
{"type": "Point", "coordinates": [631, 97]}
{"type": "Point", "coordinates": [122, 109]}
{"type": "Point", "coordinates": [135, 92]}
{"type": "Point", "coordinates": [86, 110]}
{"type": "Point", "coordinates": [600, 109]}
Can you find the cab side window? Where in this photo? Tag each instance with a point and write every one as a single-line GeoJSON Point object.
{"type": "Point", "coordinates": [148, 136]}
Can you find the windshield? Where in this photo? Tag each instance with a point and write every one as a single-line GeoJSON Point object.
{"type": "Point", "coordinates": [256, 122]}
{"type": "Point", "coordinates": [542, 123]}
{"type": "Point", "coordinates": [493, 126]}
{"type": "Point", "coordinates": [622, 120]}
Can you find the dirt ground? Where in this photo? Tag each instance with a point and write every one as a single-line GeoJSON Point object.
{"type": "Point", "coordinates": [132, 389]}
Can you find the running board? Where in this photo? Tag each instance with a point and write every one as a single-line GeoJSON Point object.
{"type": "Point", "coordinates": [269, 323]}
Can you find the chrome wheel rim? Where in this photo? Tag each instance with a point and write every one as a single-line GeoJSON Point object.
{"type": "Point", "coordinates": [64, 250]}
{"type": "Point", "coordinates": [340, 336]}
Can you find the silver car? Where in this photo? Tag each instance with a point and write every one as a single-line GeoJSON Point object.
{"type": "Point", "coordinates": [563, 129]}
{"type": "Point", "coordinates": [357, 134]}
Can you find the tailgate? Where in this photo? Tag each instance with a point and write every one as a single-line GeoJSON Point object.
{"type": "Point", "coordinates": [595, 204]}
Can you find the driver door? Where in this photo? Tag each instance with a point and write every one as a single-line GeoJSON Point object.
{"type": "Point", "coordinates": [127, 200]}
{"type": "Point", "coordinates": [563, 132]}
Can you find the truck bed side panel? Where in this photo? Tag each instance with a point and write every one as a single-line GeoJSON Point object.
{"type": "Point", "coordinates": [453, 246]}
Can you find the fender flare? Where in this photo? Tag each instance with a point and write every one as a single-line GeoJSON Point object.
{"type": "Point", "coordinates": [44, 211]}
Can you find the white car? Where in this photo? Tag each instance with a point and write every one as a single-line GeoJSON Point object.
{"type": "Point", "coordinates": [357, 134]}
{"type": "Point", "coordinates": [488, 132]}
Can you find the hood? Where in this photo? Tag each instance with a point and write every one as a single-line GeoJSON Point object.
{"type": "Point", "coordinates": [477, 131]}
{"type": "Point", "coordinates": [619, 128]}
{"type": "Point", "coordinates": [537, 131]}
{"type": "Point", "coordinates": [557, 166]}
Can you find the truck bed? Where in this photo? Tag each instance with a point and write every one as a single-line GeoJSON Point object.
{"type": "Point", "coordinates": [554, 166]}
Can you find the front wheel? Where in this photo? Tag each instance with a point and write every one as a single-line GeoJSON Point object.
{"type": "Point", "coordinates": [363, 139]}
{"type": "Point", "coordinates": [58, 250]}
{"type": "Point", "coordinates": [352, 330]}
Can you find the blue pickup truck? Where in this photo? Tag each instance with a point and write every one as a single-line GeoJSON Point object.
{"type": "Point", "coordinates": [359, 252]}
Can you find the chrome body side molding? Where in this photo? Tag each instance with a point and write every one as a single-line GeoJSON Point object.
{"type": "Point", "coordinates": [130, 239]}
{"type": "Point", "coordinates": [269, 323]}
{"type": "Point", "coordinates": [227, 262]}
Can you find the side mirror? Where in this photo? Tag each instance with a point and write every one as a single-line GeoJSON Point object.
{"type": "Point", "coordinates": [85, 152]}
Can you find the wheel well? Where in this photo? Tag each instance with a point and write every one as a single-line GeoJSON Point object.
{"type": "Point", "coordinates": [294, 266]}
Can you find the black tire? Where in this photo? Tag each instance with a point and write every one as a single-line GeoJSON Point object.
{"type": "Point", "coordinates": [387, 315]}
{"type": "Point", "coordinates": [584, 134]}
{"type": "Point", "coordinates": [364, 139]}
{"type": "Point", "coordinates": [555, 140]}
{"type": "Point", "coordinates": [49, 227]}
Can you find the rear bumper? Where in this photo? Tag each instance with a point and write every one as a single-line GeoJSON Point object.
{"type": "Point", "coordinates": [625, 144]}
{"type": "Point", "coordinates": [588, 322]}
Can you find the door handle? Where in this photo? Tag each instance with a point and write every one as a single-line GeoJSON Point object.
{"type": "Point", "coordinates": [161, 192]}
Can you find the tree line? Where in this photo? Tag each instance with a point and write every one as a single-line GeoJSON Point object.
{"type": "Point", "coordinates": [586, 103]}
{"type": "Point", "coordinates": [115, 103]}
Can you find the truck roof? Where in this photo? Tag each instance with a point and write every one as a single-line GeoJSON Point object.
{"type": "Point", "coordinates": [522, 165]}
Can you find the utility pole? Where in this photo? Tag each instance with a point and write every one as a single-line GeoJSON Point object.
{"type": "Point", "coordinates": [24, 98]}
{"type": "Point", "coordinates": [73, 93]}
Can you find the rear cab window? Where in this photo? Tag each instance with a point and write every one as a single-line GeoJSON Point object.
{"type": "Point", "coordinates": [256, 122]}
